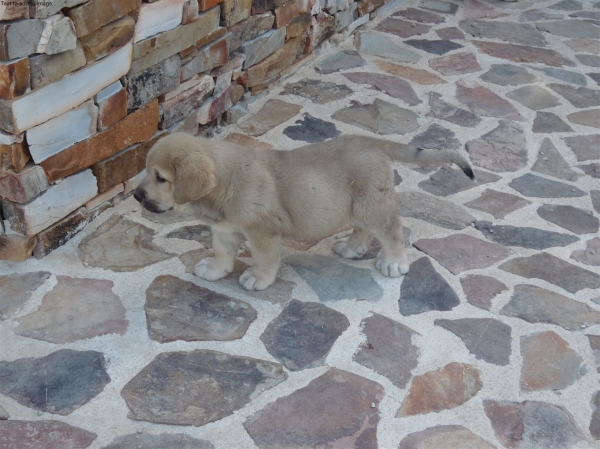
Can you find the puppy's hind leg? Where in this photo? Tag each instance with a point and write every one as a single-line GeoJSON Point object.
{"type": "Point", "coordinates": [391, 260]}
{"type": "Point", "coordinates": [355, 246]}
{"type": "Point", "coordinates": [225, 246]}
{"type": "Point", "coordinates": [266, 255]}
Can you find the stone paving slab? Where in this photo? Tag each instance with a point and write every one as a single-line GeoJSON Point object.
{"type": "Point", "coordinates": [491, 340]}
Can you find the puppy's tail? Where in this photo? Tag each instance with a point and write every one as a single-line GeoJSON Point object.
{"type": "Point", "coordinates": [408, 153]}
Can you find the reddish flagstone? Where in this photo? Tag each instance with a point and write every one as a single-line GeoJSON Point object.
{"type": "Point", "coordinates": [444, 437]}
{"type": "Point", "coordinates": [272, 114]}
{"type": "Point", "coordinates": [16, 290]}
{"type": "Point", "coordinates": [501, 149]}
{"type": "Point", "coordinates": [455, 64]}
{"type": "Point", "coordinates": [475, 9]}
{"type": "Point", "coordinates": [497, 204]}
{"type": "Point", "coordinates": [179, 387]}
{"type": "Point", "coordinates": [337, 409]}
{"type": "Point", "coordinates": [548, 362]}
{"type": "Point", "coordinates": [75, 309]}
{"type": "Point", "coordinates": [526, 424]}
{"type": "Point", "coordinates": [45, 434]}
{"type": "Point", "coordinates": [523, 53]}
{"type": "Point", "coordinates": [416, 75]}
{"type": "Point", "coordinates": [480, 290]}
{"type": "Point", "coordinates": [388, 349]}
{"type": "Point", "coordinates": [393, 86]}
{"type": "Point", "coordinates": [537, 305]}
{"type": "Point", "coordinates": [443, 389]}
{"type": "Point", "coordinates": [483, 101]}
{"type": "Point", "coordinates": [460, 252]}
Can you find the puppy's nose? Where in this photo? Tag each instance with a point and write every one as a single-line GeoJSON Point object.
{"type": "Point", "coordinates": [139, 195]}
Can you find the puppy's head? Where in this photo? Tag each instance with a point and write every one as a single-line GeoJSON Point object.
{"type": "Point", "coordinates": [179, 169]}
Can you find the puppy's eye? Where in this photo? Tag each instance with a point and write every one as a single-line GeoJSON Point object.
{"type": "Point", "coordinates": [160, 178]}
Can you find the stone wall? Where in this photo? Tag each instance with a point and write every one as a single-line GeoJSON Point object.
{"type": "Point", "coordinates": [86, 87]}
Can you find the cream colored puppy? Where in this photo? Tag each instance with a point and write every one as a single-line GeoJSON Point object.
{"type": "Point", "coordinates": [264, 196]}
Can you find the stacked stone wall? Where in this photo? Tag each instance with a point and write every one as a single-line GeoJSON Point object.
{"type": "Point", "coordinates": [87, 86]}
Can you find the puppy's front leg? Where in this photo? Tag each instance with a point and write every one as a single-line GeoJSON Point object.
{"type": "Point", "coordinates": [266, 255]}
{"type": "Point", "coordinates": [225, 246]}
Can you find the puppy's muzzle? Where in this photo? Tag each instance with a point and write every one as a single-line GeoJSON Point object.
{"type": "Point", "coordinates": [140, 196]}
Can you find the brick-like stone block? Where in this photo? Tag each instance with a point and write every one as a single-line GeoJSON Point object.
{"type": "Point", "coordinates": [43, 9]}
{"type": "Point", "coordinates": [286, 13]}
{"type": "Point", "coordinates": [207, 4]}
{"type": "Point", "coordinates": [270, 67]}
{"type": "Point", "coordinates": [52, 205]}
{"type": "Point", "coordinates": [187, 125]}
{"type": "Point", "coordinates": [151, 51]}
{"type": "Point", "coordinates": [50, 101]}
{"type": "Point", "coordinates": [234, 11]}
{"type": "Point", "coordinates": [108, 91]}
{"type": "Point", "coordinates": [14, 156]}
{"type": "Point", "coordinates": [214, 107]}
{"type": "Point", "coordinates": [61, 132]}
{"type": "Point", "coordinates": [262, 6]}
{"type": "Point", "coordinates": [9, 139]}
{"type": "Point", "coordinates": [323, 28]}
{"type": "Point", "coordinates": [105, 196]}
{"type": "Point", "coordinates": [14, 78]}
{"type": "Point", "coordinates": [112, 109]}
{"type": "Point", "coordinates": [136, 127]}
{"type": "Point", "coordinates": [20, 38]}
{"type": "Point", "coordinates": [24, 186]}
{"type": "Point", "coordinates": [46, 69]}
{"type": "Point", "coordinates": [191, 11]}
{"type": "Point", "coordinates": [366, 6]}
{"type": "Point", "coordinates": [157, 17]}
{"type": "Point", "coordinates": [222, 82]}
{"type": "Point", "coordinates": [346, 17]}
{"type": "Point", "coordinates": [212, 55]}
{"type": "Point", "coordinates": [108, 38]}
{"type": "Point", "coordinates": [262, 46]}
{"type": "Point", "coordinates": [58, 35]}
{"type": "Point", "coordinates": [15, 248]}
{"type": "Point", "coordinates": [61, 232]}
{"type": "Point", "coordinates": [250, 28]}
{"type": "Point", "coordinates": [124, 165]}
{"type": "Point", "coordinates": [148, 84]}
{"type": "Point", "coordinates": [191, 52]}
{"type": "Point", "coordinates": [178, 107]}
{"type": "Point", "coordinates": [94, 14]}
{"type": "Point", "coordinates": [299, 25]}
{"type": "Point", "coordinates": [14, 10]}
{"type": "Point", "coordinates": [236, 61]}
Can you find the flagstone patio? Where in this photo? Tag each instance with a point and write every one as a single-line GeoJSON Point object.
{"type": "Point", "coordinates": [492, 339]}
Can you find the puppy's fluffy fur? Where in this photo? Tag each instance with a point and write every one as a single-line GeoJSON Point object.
{"type": "Point", "coordinates": [264, 196]}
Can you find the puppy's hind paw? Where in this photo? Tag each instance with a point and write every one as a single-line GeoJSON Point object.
{"type": "Point", "coordinates": [210, 269]}
{"type": "Point", "coordinates": [348, 252]}
{"type": "Point", "coordinates": [250, 282]}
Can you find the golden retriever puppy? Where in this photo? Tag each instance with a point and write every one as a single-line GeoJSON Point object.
{"type": "Point", "coordinates": [264, 196]}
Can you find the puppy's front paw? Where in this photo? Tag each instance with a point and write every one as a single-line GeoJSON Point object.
{"type": "Point", "coordinates": [251, 282]}
{"type": "Point", "coordinates": [347, 251]}
{"type": "Point", "coordinates": [210, 269]}
{"type": "Point", "coordinates": [391, 268]}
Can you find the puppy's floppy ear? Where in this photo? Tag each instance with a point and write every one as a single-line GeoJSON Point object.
{"type": "Point", "coordinates": [194, 177]}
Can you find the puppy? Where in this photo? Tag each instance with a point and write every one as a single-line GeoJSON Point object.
{"type": "Point", "coordinates": [264, 196]}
